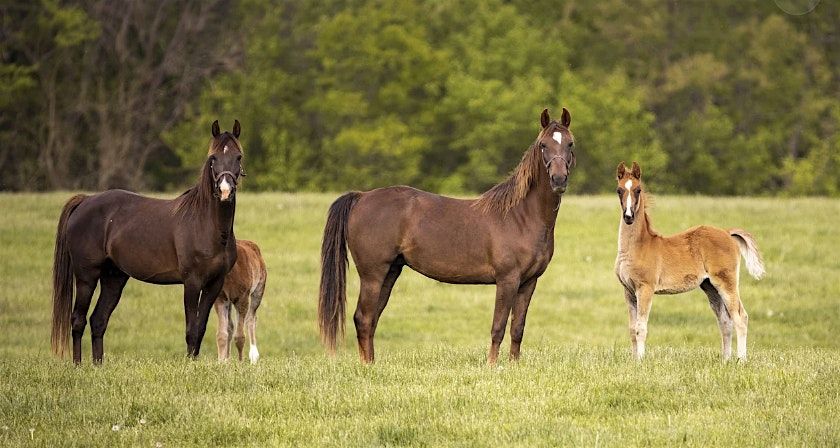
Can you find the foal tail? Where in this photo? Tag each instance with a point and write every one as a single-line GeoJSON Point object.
{"type": "Point", "coordinates": [750, 252]}
{"type": "Point", "coordinates": [333, 296]}
{"type": "Point", "coordinates": [62, 281]}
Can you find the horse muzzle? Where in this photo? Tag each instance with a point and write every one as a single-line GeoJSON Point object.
{"type": "Point", "coordinates": [559, 183]}
{"type": "Point", "coordinates": [628, 219]}
{"type": "Point", "coordinates": [226, 189]}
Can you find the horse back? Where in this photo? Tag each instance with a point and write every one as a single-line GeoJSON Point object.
{"type": "Point", "coordinates": [135, 232]}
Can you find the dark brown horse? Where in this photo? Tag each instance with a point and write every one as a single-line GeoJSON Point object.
{"type": "Point", "coordinates": [505, 237]}
{"type": "Point", "coordinates": [111, 236]}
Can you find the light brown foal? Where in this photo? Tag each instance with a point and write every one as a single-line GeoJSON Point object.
{"type": "Point", "coordinates": [243, 290]}
{"type": "Point", "coordinates": [703, 256]}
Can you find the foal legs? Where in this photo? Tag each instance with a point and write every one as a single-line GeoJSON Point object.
{"type": "Point", "coordinates": [644, 301]}
{"type": "Point", "coordinates": [506, 290]}
{"type": "Point", "coordinates": [520, 310]}
{"type": "Point", "coordinates": [251, 322]}
{"type": "Point", "coordinates": [633, 312]}
{"type": "Point", "coordinates": [727, 287]}
{"type": "Point", "coordinates": [85, 285]}
{"type": "Point", "coordinates": [223, 330]}
{"type": "Point", "coordinates": [241, 310]}
{"type": "Point", "coordinates": [724, 321]}
{"type": "Point", "coordinates": [111, 284]}
{"type": "Point", "coordinates": [375, 289]}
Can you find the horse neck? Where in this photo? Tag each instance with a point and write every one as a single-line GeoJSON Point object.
{"type": "Point", "coordinates": [541, 201]}
{"type": "Point", "coordinates": [633, 235]}
{"type": "Point", "coordinates": [222, 215]}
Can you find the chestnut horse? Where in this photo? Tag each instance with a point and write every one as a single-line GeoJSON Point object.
{"type": "Point", "coordinates": [505, 237]}
{"type": "Point", "coordinates": [703, 256]}
{"type": "Point", "coordinates": [108, 237]}
{"type": "Point", "coordinates": [243, 290]}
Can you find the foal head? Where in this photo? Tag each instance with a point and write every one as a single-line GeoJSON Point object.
{"type": "Point", "coordinates": [557, 145]}
{"type": "Point", "coordinates": [629, 191]}
{"type": "Point", "coordinates": [225, 161]}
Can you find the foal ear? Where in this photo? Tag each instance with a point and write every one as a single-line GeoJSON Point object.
{"type": "Point", "coordinates": [545, 119]}
{"type": "Point", "coordinates": [636, 171]}
{"type": "Point", "coordinates": [620, 171]}
{"type": "Point", "coordinates": [215, 129]}
{"type": "Point", "coordinates": [565, 118]}
{"type": "Point", "coordinates": [236, 128]}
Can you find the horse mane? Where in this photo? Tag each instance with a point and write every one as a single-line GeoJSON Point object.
{"type": "Point", "coordinates": [648, 202]}
{"type": "Point", "coordinates": [510, 192]}
{"type": "Point", "coordinates": [195, 200]}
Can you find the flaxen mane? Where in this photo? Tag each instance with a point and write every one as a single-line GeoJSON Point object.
{"type": "Point", "coordinates": [510, 192]}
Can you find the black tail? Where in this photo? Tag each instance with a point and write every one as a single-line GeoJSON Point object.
{"type": "Point", "coordinates": [333, 296]}
{"type": "Point", "coordinates": [63, 281]}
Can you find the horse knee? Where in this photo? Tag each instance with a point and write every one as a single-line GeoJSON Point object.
{"type": "Point", "coordinates": [77, 325]}
{"type": "Point", "coordinates": [240, 342]}
{"type": "Point", "coordinates": [364, 325]}
{"type": "Point", "coordinates": [97, 328]}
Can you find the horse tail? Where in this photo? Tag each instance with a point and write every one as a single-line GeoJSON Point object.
{"type": "Point", "coordinates": [62, 281]}
{"type": "Point", "coordinates": [332, 295]}
{"type": "Point", "coordinates": [750, 252]}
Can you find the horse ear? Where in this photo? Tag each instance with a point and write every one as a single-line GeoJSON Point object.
{"type": "Point", "coordinates": [236, 128]}
{"type": "Point", "coordinates": [620, 171]}
{"type": "Point", "coordinates": [566, 118]}
{"type": "Point", "coordinates": [545, 119]}
{"type": "Point", "coordinates": [636, 171]}
{"type": "Point", "coordinates": [215, 129]}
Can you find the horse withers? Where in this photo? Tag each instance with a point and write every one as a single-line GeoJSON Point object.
{"type": "Point", "coordinates": [703, 256]}
{"type": "Point", "coordinates": [505, 237]}
{"type": "Point", "coordinates": [243, 291]}
{"type": "Point", "coordinates": [108, 237]}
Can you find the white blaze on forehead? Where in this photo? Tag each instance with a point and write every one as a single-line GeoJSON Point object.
{"type": "Point", "coordinates": [628, 209]}
{"type": "Point", "coordinates": [558, 136]}
{"type": "Point", "coordinates": [224, 151]}
{"type": "Point", "coordinates": [628, 185]}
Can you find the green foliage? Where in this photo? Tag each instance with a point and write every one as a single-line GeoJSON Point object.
{"type": "Point", "coordinates": [715, 97]}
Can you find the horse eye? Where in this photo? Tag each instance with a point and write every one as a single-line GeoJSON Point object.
{"type": "Point", "coordinates": [618, 191]}
{"type": "Point", "coordinates": [542, 145]}
{"type": "Point", "coordinates": [238, 158]}
{"type": "Point", "coordinates": [571, 144]}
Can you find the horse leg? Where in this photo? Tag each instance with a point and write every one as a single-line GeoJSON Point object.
{"type": "Point", "coordinates": [251, 322]}
{"type": "Point", "coordinates": [223, 329]}
{"type": "Point", "coordinates": [208, 297]}
{"type": "Point", "coordinates": [85, 285]}
{"type": "Point", "coordinates": [520, 311]}
{"type": "Point", "coordinates": [724, 321]}
{"type": "Point", "coordinates": [506, 290]}
{"type": "Point", "coordinates": [111, 283]}
{"type": "Point", "coordinates": [727, 287]}
{"type": "Point", "coordinates": [192, 291]}
{"type": "Point", "coordinates": [633, 313]}
{"type": "Point", "coordinates": [242, 313]}
{"type": "Point", "coordinates": [367, 310]}
{"type": "Point", "coordinates": [644, 299]}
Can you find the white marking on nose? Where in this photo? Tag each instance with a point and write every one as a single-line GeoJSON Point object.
{"type": "Point", "coordinates": [224, 188]}
{"type": "Point", "coordinates": [558, 136]}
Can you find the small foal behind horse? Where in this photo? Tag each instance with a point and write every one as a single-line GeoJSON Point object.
{"type": "Point", "coordinates": [703, 256]}
{"type": "Point", "coordinates": [243, 290]}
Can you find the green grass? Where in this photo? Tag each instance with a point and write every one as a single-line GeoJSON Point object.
{"type": "Point", "coordinates": [576, 383]}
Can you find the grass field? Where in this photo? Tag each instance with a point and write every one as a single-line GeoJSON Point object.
{"type": "Point", "coordinates": [575, 385]}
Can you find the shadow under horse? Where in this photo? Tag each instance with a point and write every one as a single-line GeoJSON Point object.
{"type": "Point", "coordinates": [505, 237]}
{"type": "Point", "coordinates": [111, 236]}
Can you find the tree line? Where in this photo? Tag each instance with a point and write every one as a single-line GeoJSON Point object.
{"type": "Point", "coordinates": [714, 96]}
